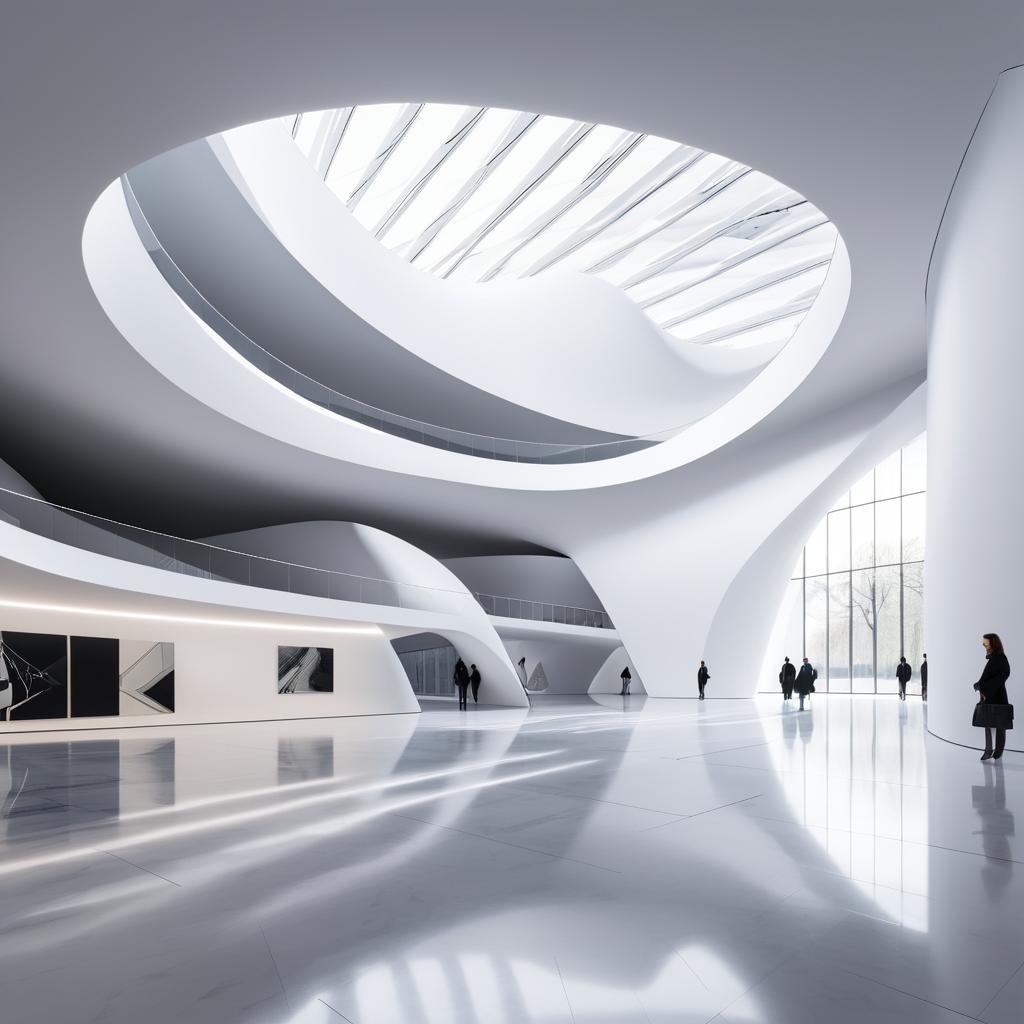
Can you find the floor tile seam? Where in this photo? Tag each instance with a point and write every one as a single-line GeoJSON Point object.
{"type": "Point", "coordinates": [527, 790]}
{"type": "Point", "coordinates": [1000, 990]}
{"type": "Point", "coordinates": [904, 992]}
{"type": "Point", "coordinates": [701, 814]}
{"type": "Point", "coordinates": [840, 778]}
{"type": "Point", "coordinates": [755, 983]}
{"type": "Point", "coordinates": [590, 799]}
{"type": "Point", "coordinates": [888, 839]}
{"type": "Point", "coordinates": [502, 842]}
{"type": "Point", "coordinates": [138, 867]}
{"type": "Point", "coordinates": [277, 970]}
{"type": "Point", "coordinates": [565, 991]}
{"type": "Point", "coordinates": [320, 999]}
{"type": "Point", "coordinates": [726, 750]}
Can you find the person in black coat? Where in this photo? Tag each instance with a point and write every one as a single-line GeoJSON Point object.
{"type": "Point", "coordinates": [805, 681]}
{"type": "Point", "coordinates": [991, 689]}
{"type": "Point", "coordinates": [461, 677]}
{"type": "Point", "coordinates": [924, 677]}
{"type": "Point", "coordinates": [627, 677]}
{"type": "Point", "coordinates": [903, 673]}
{"type": "Point", "coordinates": [787, 677]}
{"type": "Point", "coordinates": [474, 681]}
{"type": "Point", "coordinates": [703, 675]}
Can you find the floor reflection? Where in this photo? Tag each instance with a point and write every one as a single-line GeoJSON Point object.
{"type": "Point", "coordinates": [590, 860]}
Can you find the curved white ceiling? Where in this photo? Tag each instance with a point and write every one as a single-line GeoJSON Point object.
{"type": "Point", "coordinates": [712, 250]}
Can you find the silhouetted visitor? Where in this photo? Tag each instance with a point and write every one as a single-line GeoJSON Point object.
{"type": "Point", "coordinates": [703, 675]}
{"type": "Point", "coordinates": [474, 680]}
{"type": "Point", "coordinates": [805, 681]}
{"type": "Point", "coordinates": [994, 710]}
{"type": "Point", "coordinates": [924, 677]}
{"type": "Point", "coordinates": [787, 677]}
{"type": "Point", "coordinates": [626, 678]}
{"type": "Point", "coordinates": [903, 673]}
{"type": "Point", "coordinates": [461, 677]}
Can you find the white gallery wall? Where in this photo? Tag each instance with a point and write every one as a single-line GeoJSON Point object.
{"type": "Point", "coordinates": [229, 673]}
{"type": "Point", "coordinates": [976, 420]}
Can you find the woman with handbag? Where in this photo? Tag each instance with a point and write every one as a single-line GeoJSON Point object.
{"type": "Point", "coordinates": [994, 710]}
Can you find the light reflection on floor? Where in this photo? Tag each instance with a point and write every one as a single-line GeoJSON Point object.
{"type": "Point", "coordinates": [613, 860]}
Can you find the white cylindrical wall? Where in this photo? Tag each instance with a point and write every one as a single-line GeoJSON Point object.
{"type": "Point", "coordinates": [975, 305]}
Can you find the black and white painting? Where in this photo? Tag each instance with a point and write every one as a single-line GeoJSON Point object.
{"type": "Point", "coordinates": [33, 676]}
{"type": "Point", "coordinates": [305, 670]}
{"type": "Point", "coordinates": [145, 679]}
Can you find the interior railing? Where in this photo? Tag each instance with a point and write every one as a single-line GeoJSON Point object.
{"type": "Point", "coordinates": [544, 611]}
{"type": "Point", "coordinates": [458, 441]}
{"type": "Point", "coordinates": [198, 558]}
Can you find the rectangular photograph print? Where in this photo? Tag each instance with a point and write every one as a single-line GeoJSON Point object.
{"type": "Point", "coordinates": [146, 678]}
{"type": "Point", "coordinates": [305, 670]}
{"type": "Point", "coordinates": [33, 676]}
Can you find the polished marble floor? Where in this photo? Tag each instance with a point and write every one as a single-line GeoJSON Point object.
{"type": "Point", "coordinates": [593, 860]}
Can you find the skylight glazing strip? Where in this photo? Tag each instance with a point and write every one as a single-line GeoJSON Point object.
{"type": "Point", "coordinates": [713, 251]}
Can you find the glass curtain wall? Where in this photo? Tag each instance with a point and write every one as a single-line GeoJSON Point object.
{"type": "Point", "coordinates": [858, 588]}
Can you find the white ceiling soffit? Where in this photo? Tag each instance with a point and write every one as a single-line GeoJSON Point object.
{"type": "Point", "coordinates": [714, 252]}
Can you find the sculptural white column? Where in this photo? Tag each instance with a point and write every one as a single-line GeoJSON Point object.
{"type": "Point", "coordinates": [974, 580]}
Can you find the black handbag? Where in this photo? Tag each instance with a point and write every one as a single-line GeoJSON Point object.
{"type": "Point", "coordinates": [993, 716]}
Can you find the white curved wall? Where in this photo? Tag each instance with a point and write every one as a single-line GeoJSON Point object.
{"type": "Point", "coordinates": [976, 420]}
{"type": "Point", "coordinates": [425, 583]}
{"type": "Point", "coordinates": [703, 580]}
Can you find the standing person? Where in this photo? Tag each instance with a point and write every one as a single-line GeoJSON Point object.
{"type": "Point", "coordinates": [461, 677]}
{"type": "Point", "coordinates": [805, 681]}
{"type": "Point", "coordinates": [903, 673]}
{"type": "Point", "coordinates": [626, 678]}
{"type": "Point", "coordinates": [474, 679]}
{"type": "Point", "coordinates": [703, 675]}
{"type": "Point", "coordinates": [924, 678]}
{"type": "Point", "coordinates": [994, 708]}
{"type": "Point", "coordinates": [787, 677]}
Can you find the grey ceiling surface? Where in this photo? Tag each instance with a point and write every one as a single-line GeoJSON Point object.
{"type": "Point", "coordinates": [864, 108]}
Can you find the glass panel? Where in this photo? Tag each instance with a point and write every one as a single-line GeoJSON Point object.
{"type": "Point", "coordinates": [887, 532]}
{"type": "Point", "coordinates": [913, 527]}
{"type": "Point", "coordinates": [887, 604]}
{"type": "Point", "coordinates": [842, 502]}
{"type": "Point", "coordinates": [915, 465]}
{"type": "Point", "coordinates": [865, 618]}
{"type": "Point", "coordinates": [817, 617]}
{"type": "Point", "coordinates": [862, 536]}
{"type": "Point", "coordinates": [816, 552]}
{"type": "Point", "coordinates": [864, 490]}
{"type": "Point", "coordinates": [839, 540]}
{"type": "Point", "coordinates": [887, 477]}
{"type": "Point", "coordinates": [839, 633]}
{"type": "Point", "coordinates": [913, 621]}
{"type": "Point", "coordinates": [717, 252]}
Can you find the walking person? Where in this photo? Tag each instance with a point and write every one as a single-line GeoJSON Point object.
{"type": "Point", "coordinates": [474, 680]}
{"type": "Point", "coordinates": [461, 677]}
{"type": "Point", "coordinates": [626, 678]}
{"type": "Point", "coordinates": [924, 678]}
{"type": "Point", "coordinates": [903, 674]}
{"type": "Point", "coordinates": [994, 710]}
{"type": "Point", "coordinates": [703, 675]}
{"type": "Point", "coordinates": [805, 681]}
{"type": "Point", "coordinates": [787, 677]}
